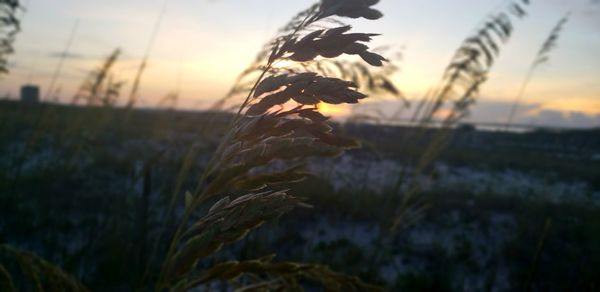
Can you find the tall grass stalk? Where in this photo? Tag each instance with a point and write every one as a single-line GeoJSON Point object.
{"type": "Point", "coordinates": [258, 135]}
{"type": "Point", "coordinates": [457, 92]}
{"type": "Point", "coordinates": [538, 253]}
{"type": "Point", "coordinates": [99, 92]}
{"type": "Point", "coordinates": [133, 95]}
{"type": "Point", "coordinates": [44, 112]}
{"type": "Point", "coordinates": [374, 81]}
{"type": "Point", "coordinates": [542, 57]}
{"type": "Point", "coordinates": [63, 56]}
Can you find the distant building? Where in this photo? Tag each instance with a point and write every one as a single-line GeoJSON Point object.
{"type": "Point", "coordinates": [30, 94]}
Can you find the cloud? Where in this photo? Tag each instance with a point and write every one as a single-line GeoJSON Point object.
{"type": "Point", "coordinates": [75, 56]}
{"type": "Point", "coordinates": [497, 111]}
{"type": "Point", "coordinates": [561, 119]}
{"type": "Point", "coordinates": [534, 114]}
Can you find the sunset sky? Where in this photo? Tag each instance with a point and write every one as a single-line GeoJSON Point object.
{"type": "Point", "coordinates": [202, 45]}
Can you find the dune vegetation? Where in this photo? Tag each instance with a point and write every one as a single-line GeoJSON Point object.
{"type": "Point", "coordinates": [264, 192]}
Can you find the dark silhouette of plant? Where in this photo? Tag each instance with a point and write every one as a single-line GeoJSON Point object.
{"type": "Point", "coordinates": [63, 56]}
{"type": "Point", "coordinates": [100, 87]}
{"type": "Point", "coordinates": [133, 95]}
{"type": "Point", "coordinates": [470, 66]}
{"type": "Point", "coordinates": [369, 80]}
{"type": "Point", "coordinates": [279, 121]}
{"type": "Point", "coordinates": [277, 128]}
{"type": "Point", "coordinates": [35, 273]}
{"type": "Point", "coordinates": [457, 92]}
{"type": "Point", "coordinates": [542, 57]}
{"type": "Point", "coordinates": [9, 27]}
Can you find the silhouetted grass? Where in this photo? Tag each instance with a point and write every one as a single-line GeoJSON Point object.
{"type": "Point", "coordinates": [170, 200]}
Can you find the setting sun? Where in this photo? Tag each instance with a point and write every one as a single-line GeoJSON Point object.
{"type": "Point", "coordinates": [335, 111]}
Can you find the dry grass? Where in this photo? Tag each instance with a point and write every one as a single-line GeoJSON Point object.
{"type": "Point", "coordinates": [469, 68]}
{"type": "Point", "coordinates": [457, 92]}
{"type": "Point", "coordinates": [278, 121]}
{"type": "Point", "coordinates": [542, 57]}
{"type": "Point", "coordinates": [277, 128]}
{"type": "Point", "coordinates": [100, 88]}
{"type": "Point", "coordinates": [369, 80]}
{"type": "Point", "coordinates": [9, 27]}
{"type": "Point", "coordinates": [133, 95]}
{"type": "Point", "coordinates": [34, 273]}
{"type": "Point", "coordinates": [285, 276]}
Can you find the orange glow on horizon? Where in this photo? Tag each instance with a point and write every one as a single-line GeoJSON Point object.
{"type": "Point", "coordinates": [442, 114]}
{"type": "Point", "coordinates": [566, 106]}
